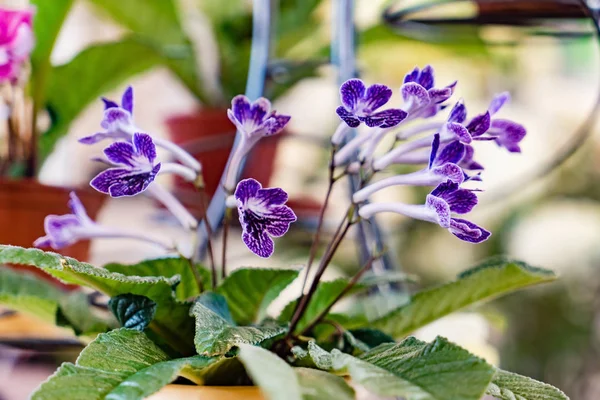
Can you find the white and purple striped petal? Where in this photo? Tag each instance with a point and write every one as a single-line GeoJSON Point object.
{"type": "Point", "coordinates": [385, 119]}
{"type": "Point", "coordinates": [415, 96]}
{"type": "Point", "coordinates": [352, 93]}
{"type": "Point", "coordinates": [255, 120]}
{"type": "Point", "coordinates": [127, 100]}
{"type": "Point", "coordinates": [376, 96]}
{"type": "Point", "coordinates": [262, 213]}
{"type": "Point", "coordinates": [460, 201]}
{"type": "Point", "coordinates": [468, 231]}
{"type": "Point", "coordinates": [458, 113]}
{"type": "Point", "coordinates": [348, 117]}
{"type": "Point", "coordinates": [508, 134]}
{"type": "Point", "coordinates": [479, 124]}
{"type": "Point", "coordinates": [424, 77]}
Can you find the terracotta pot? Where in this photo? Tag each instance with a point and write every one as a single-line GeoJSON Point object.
{"type": "Point", "coordinates": [178, 392]}
{"type": "Point", "coordinates": [25, 203]}
{"type": "Point", "coordinates": [208, 135]}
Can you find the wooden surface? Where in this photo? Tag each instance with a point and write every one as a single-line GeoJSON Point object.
{"type": "Point", "coordinates": [179, 392]}
{"type": "Point", "coordinates": [21, 326]}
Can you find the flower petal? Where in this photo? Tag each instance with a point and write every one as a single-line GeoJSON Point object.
{"type": "Point", "coordinates": [59, 231]}
{"type": "Point", "coordinates": [240, 107]}
{"type": "Point", "coordinates": [441, 209]}
{"type": "Point", "coordinates": [412, 76]}
{"type": "Point", "coordinates": [108, 103]}
{"type": "Point", "coordinates": [133, 184]}
{"type": "Point", "coordinates": [127, 100]}
{"type": "Point", "coordinates": [275, 124]}
{"type": "Point", "coordinates": [347, 117]}
{"type": "Point", "coordinates": [271, 196]}
{"type": "Point", "coordinates": [279, 221]}
{"type": "Point", "coordinates": [100, 136]}
{"type": "Point", "coordinates": [377, 95]}
{"type": "Point", "coordinates": [259, 110]}
{"type": "Point", "coordinates": [144, 146]}
{"type": "Point", "coordinates": [451, 172]}
{"type": "Point", "coordinates": [498, 102]}
{"type": "Point", "coordinates": [77, 208]}
{"type": "Point", "coordinates": [458, 131]}
{"type": "Point", "coordinates": [461, 201]}
{"type": "Point", "coordinates": [454, 152]}
{"type": "Point", "coordinates": [458, 113]}
{"type": "Point", "coordinates": [479, 124]}
{"type": "Point", "coordinates": [352, 93]}
{"type": "Point", "coordinates": [259, 243]}
{"type": "Point", "coordinates": [121, 153]}
{"type": "Point", "coordinates": [439, 95]}
{"type": "Point", "coordinates": [435, 145]}
{"type": "Point", "coordinates": [246, 189]}
{"type": "Point", "coordinates": [508, 134]}
{"type": "Point", "coordinates": [426, 77]}
{"type": "Point", "coordinates": [385, 119]}
{"type": "Point", "coordinates": [415, 95]}
{"type": "Point", "coordinates": [468, 162]}
{"type": "Point", "coordinates": [114, 118]}
{"type": "Point", "coordinates": [468, 231]}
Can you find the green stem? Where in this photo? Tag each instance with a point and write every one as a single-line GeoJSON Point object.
{"type": "Point", "coordinates": [226, 221]}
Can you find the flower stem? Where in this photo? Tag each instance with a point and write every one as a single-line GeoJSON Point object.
{"type": "Point", "coordinates": [226, 221]}
{"type": "Point", "coordinates": [343, 293]}
{"type": "Point", "coordinates": [199, 183]}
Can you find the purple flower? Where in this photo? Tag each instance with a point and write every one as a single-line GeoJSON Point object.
{"type": "Point", "coordinates": [444, 200]}
{"type": "Point", "coordinates": [64, 230]}
{"type": "Point", "coordinates": [359, 104]}
{"type": "Point", "coordinates": [255, 120]}
{"type": "Point", "coordinates": [134, 167]}
{"type": "Point", "coordinates": [505, 133]}
{"type": "Point", "coordinates": [262, 214]}
{"type": "Point", "coordinates": [420, 96]}
{"type": "Point", "coordinates": [117, 121]}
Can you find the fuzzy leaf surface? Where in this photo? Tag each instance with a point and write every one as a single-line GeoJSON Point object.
{"type": "Point", "coordinates": [511, 386]}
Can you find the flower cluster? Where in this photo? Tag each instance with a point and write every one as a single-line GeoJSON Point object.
{"type": "Point", "coordinates": [445, 148]}
{"type": "Point", "coordinates": [16, 41]}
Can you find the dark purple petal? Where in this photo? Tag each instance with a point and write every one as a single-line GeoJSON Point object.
{"type": "Point", "coordinates": [279, 221]}
{"type": "Point", "coordinates": [415, 94]}
{"type": "Point", "coordinates": [385, 119]}
{"type": "Point", "coordinates": [467, 162]}
{"type": "Point", "coordinates": [444, 189]}
{"type": "Point", "coordinates": [113, 116]}
{"type": "Point", "coordinates": [259, 110]}
{"type": "Point", "coordinates": [441, 209]}
{"type": "Point", "coordinates": [508, 134]}
{"type": "Point", "coordinates": [144, 146]}
{"type": "Point", "coordinates": [347, 117]}
{"type": "Point", "coordinates": [426, 77]}
{"type": "Point", "coordinates": [259, 243]}
{"type": "Point", "coordinates": [108, 103]}
{"type": "Point", "coordinates": [412, 76]}
{"type": "Point", "coordinates": [435, 145]}
{"type": "Point", "coordinates": [450, 172]}
{"type": "Point", "coordinates": [476, 177]}
{"type": "Point", "coordinates": [468, 231]}
{"type": "Point", "coordinates": [459, 131]}
{"type": "Point", "coordinates": [439, 95]}
{"type": "Point", "coordinates": [240, 107]}
{"type": "Point", "coordinates": [352, 93]}
{"type": "Point", "coordinates": [127, 100]}
{"type": "Point", "coordinates": [271, 196]}
{"type": "Point", "coordinates": [377, 96]}
{"type": "Point", "coordinates": [461, 201]}
{"type": "Point", "coordinates": [119, 182]}
{"type": "Point", "coordinates": [275, 124]}
{"type": "Point", "coordinates": [454, 152]}
{"type": "Point", "coordinates": [498, 102]}
{"type": "Point", "coordinates": [479, 125]}
{"type": "Point", "coordinates": [121, 153]}
{"type": "Point", "coordinates": [104, 179]}
{"type": "Point", "coordinates": [458, 113]}
{"type": "Point", "coordinates": [246, 189]}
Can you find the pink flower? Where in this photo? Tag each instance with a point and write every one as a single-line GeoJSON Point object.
{"type": "Point", "coordinates": [16, 40]}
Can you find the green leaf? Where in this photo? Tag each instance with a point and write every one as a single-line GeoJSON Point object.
{"type": "Point", "coordinates": [484, 282]}
{"type": "Point", "coordinates": [25, 292]}
{"type": "Point", "coordinates": [249, 291]}
{"type": "Point", "coordinates": [278, 381]}
{"type": "Point", "coordinates": [96, 70]}
{"type": "Point", "coordinates": [122, 364]}
{"type": "Point", "coordinates": [172, 320]}
{"type": "Point", "coordinates": [510, 386]}
{"type": "Point", "coordinates": [418, 370]}
{"type": "Point", "coordinates": [167, 267]}
{"type": "Point", "coordinates": [133, 311]}
{"type": "Point", "coordinates": [313, 357]}
{"type": "Point", "coordinates": [156, 23]}
{"type": "Point", "coordinates": [371, 337]}
{"type": "Point", "coordinates": [216, 334]}
{"type": "Point", "coordinates": [324, 296]}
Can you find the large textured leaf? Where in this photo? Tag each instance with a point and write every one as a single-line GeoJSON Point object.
{"type": "Point", "coordinates": [157, 24]}
{"type": "Point", "coordinates": [172, 320]}
{"type": "Point", "coordinates": [325, 294]}
{"type": "Point", "coordinates": [133, 311]}
{"type": "Point", "coordinates": [313, 357]}
{"type": "Point", "coordinates": [167, 267]}
{"type": "Point", "coordinates": [216, 335]}
{"type": "Point", "coordinates": [416, 370]}
{"type": "Point", "coordinates": [278, 381]}
{"type": "Point", "coordinates": [510, 386]}
{"type": "Point", "coordinates": [28, 293]}
{"type": "Point", "coordinates": [122, 364]}
{"type": "Point", "coordinates": [94, 71]}
{"type": "Point", "coordinates": [484, 282]}
{"type": "Point", "coordinates": [249, 291]}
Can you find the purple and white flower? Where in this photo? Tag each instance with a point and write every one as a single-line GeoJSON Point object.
{"type": "Point", "coordinates": [505, 133]}
{"type": "Point", "coordinates": [262, 214]}
{"type": "Point", "coordinates": [439, 205]}
{"type": "Point", "coordinates": [118, 125]}
{"type": "Point", "coordinates": [442, 168]}
{"type": "Point", "coordinates": [134, 167]}
{"type": "Point", "coordinates": [360, 104]}
{"type": "Point", "coordinates": [421, 98]}
{"type": "Point", "coordinates": [65, 230]}
{"type": "Point", "coordinates": [254, 121]}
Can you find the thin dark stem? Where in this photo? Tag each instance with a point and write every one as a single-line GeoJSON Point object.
{"type": "Point", "coordinates": [204, 206]}
{"type": "Point", "coordinates": [226, 221]}
{"type": "Point", "coordinates": [343, 293]}
{"type": "Point", "coordinates": [329, 253]}
{"type": "Point", "coordinates": [315, 243]}
{"type": "Point", "coordinates": [196, 273]}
